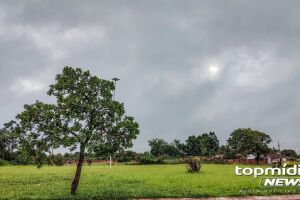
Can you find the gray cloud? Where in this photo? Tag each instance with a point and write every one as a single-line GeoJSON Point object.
{"type": "Point", "coordinates": [186, 67]}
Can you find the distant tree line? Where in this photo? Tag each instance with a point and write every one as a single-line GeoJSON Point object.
{"type": "Point", "coordinates": [206, 144]}
{"type": "Point", "coordinates": [241, 143]}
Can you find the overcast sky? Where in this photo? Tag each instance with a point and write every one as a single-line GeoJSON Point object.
{"type": "Point", "coordinates": [186, 67]}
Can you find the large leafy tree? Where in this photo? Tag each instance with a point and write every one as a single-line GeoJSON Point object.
{"type": "Point", "coordinates": [84, 117]}
{"type": "Point", "coordinates": [195, 146]}
{"type": "Point", "coordinates": [8, 141]}
{"type": "Point", "coordinates": [181, 147]}
{"type": "Point", "coordinates": [158, 147]}
{"type": "Point", "coordinates": [211, 143]}
{"type": "Point", "coordinates": [206, 144]}
{"type": "Point", "coordinates": [246, 141]}
{"type": "Point", "coordinates": [289, 153]}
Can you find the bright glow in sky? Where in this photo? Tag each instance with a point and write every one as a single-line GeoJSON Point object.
{"type": "Point", "coordinates": [213, 69]}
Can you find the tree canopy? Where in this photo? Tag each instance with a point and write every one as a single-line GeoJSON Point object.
{"type": "Point", "coordinates": [206, 144]}
{"type": "Point", "coordinates": [246, 141]}
{"type": "Point", "coordinates": [289, 153]}
{"type": "Point", "coordinates": [84, 117]}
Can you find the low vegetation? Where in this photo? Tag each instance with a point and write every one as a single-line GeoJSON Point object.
{"type": "Point", "coordinates": [4, 163]}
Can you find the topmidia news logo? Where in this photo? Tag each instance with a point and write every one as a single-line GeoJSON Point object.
{"type": "Point", "coordinates": [285, 176]}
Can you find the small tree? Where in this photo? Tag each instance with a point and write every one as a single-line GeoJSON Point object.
{"type": "Point", "coordinates": [193, 164]}
{"type": "Point", "coordinates": [84, 117]}
{"type": "Point", "coordinates": [245, 141]}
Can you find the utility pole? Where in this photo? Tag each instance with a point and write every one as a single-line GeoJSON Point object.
{"type": "Point", "coordinates": [280, 158]}
{"type": "Point", "coordinates": [115, 79]}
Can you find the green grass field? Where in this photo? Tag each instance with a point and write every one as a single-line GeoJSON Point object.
{"type": "Point", "coordinates": [125, 181]}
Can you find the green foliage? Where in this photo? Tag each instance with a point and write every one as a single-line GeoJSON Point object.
{"type": "Point", "coordinates": [206, 144]}
{"type": "Point", "coordinates": [147, 158]}
{"type": "Point", "coordinates": [195, 146]}
{"type": "Point", "coordinates": [84, 116]}
{"type": "Point", "coordinates": [4, 162]}
{"type": "Point", "coordinates": [8, 141]}
{"type": "Point", "coordinates": [289, 153]}
{"type": "Point", "coordinates": [246, 141]}
{"type": "Point", "coordinates": [71, 156]}
{"type": "Point", "coordinates": [50, 159]}
{"type": "Point", "coordinates": [57, 160]}
{"type": "Point", "coordinates": [229, 153]}
{"type": "Point", "coordinates": [125, 156]}
{"type": "Point", "coordinates": [210, 142]}
{"type": "Point", "coordinates": [158, 147]}
{"type": "Point", "coordinates": [202, 145]}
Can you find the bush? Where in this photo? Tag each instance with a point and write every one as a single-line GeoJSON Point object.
{"type": "Point", "coordinates": [193, 164]}
{"type": "Point", "coordinates": [50, 159]}
{"type": "Point", "coordinates": [126, 156]}
{"type": "Point", "coordinates": [147, 158]}
{"type": "Point", "coordinates": [4, 163]}
{"type": "Point", "coordinates": [59, 160]}
{"type": "Point", "coordinates": [21, 160]}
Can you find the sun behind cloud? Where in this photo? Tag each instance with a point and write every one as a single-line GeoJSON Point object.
{"type": "Point", "coordinates": [213, 69]}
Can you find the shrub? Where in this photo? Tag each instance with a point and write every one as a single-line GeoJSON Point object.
{"type": "Point", "coordinates": [193, 164]}
{"type": "Point", "coordinates": [51, 159]}
{"type": "Point", "coordinates": [147, 158]}
{"type": "Point", "coordinates": [4, 162]}
{"type": "Point", "coordinates": [59, 160]}
{"type": "Point", "coordinates": [126, 156]}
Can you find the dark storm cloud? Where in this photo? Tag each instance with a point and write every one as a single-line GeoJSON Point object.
{"type": "Point", "coordinates": [186, 67]}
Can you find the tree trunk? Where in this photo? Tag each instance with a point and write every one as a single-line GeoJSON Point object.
{"type": "Point", "coordinates": [78, 172]}
{"type": "Point", "coordinates": [257, 158]}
